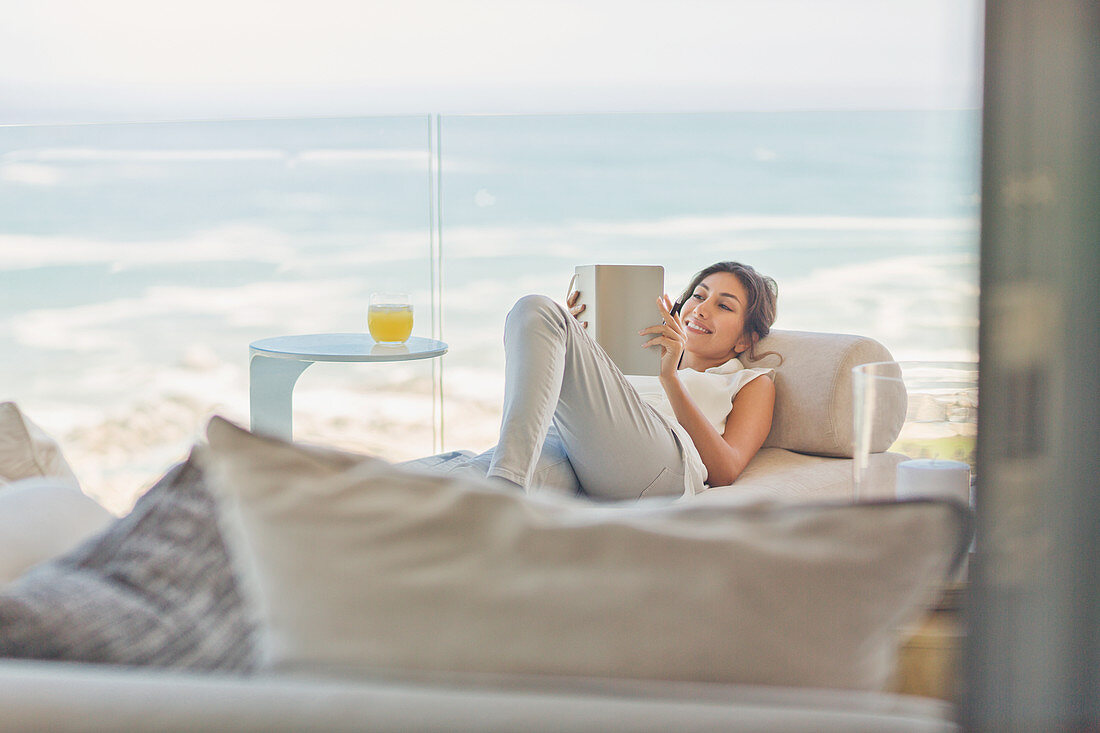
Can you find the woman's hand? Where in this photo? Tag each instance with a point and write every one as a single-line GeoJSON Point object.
{"type": "Point", "coordinates": [670, 337]}
{"type": "Point", "coordinates": [576, 310]}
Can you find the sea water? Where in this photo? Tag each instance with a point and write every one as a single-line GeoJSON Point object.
{"type": "Point", "coordinates": [137, 262]}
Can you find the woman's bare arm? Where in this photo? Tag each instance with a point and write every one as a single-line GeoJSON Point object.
{"type": "Point", "coordinates": [726, 455]}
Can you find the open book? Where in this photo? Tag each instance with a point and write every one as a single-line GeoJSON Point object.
{"type": "Point", "coordinates": [621, 300]}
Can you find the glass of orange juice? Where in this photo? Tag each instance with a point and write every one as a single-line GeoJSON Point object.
{"type": "Point", "coordinates": [390, 318]}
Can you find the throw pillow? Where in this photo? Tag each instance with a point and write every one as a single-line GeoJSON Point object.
{"type": "Point", "coordinates": [155, 588]}
{"type": "Point", "coordinates": [354, 564]}
{"type": "Point", "coordinates": [41, 518]}
{"type": "Point", "coordinates": [27, 451]}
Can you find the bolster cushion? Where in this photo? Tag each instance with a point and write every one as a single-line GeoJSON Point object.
{"type": "Point", "coordinates": [813, 392]}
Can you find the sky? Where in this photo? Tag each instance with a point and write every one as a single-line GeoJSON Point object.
{"type": "Point", "coordinates": [111, 60]}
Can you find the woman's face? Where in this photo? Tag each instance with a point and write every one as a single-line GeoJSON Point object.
{"type": "Point", "coordinates": [714, 317]}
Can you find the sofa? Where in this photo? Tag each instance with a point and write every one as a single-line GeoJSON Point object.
{"type": "Point", "coordinates": [266, 585]}
{"type": "Point", "coordinates": [808, 452]}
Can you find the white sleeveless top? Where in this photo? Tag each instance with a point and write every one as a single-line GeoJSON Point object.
{"type": "Point", "coordinates": [713, 392]}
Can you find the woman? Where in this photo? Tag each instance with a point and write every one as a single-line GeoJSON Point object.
{"type": "Point", "coordinates": [699, 422]}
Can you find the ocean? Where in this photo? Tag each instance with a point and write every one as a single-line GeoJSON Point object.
{"type": "Point", "coordinates": [138, 261]}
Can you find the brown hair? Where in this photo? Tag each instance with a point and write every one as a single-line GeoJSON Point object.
{"type": "Point", "coordinates": [759, 312]}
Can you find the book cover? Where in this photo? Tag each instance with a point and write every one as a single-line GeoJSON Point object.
{"type": "Point", "coordinates": [621, 300]}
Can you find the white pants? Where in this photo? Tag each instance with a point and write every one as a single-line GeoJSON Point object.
{"type": "Point", "coordinates": [558, 381]}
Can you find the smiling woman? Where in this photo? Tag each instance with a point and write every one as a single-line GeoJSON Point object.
{"type": "Point", "coordinates": [746, 301]}
{"type": "Point", "coordinates": [699, 422]}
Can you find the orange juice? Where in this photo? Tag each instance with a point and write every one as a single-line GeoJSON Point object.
{"type": "Point", "coordinates": [390, 324]}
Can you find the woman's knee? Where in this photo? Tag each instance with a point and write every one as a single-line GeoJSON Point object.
{"type": "Point", "coordinates": [533, 311]}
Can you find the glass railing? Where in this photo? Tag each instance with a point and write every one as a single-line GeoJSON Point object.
{"type": "Point", "coordinates": [137, 262]}
{"type": "Point", "coordinates": [140, 260]}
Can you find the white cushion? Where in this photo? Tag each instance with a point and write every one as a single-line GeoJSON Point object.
{"type": "Point", "coordinates": [354, 564]}
{"type": "Point", "coordinates": [26, 451]}
{"type": "Point", "coordinates": [41, 518]}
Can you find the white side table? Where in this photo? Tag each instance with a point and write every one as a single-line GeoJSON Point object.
{"type": "Point", "coordinates": [276, 363]}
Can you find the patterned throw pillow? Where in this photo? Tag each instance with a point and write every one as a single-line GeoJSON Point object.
{"type": "Point", "coordinates": [154, 588]}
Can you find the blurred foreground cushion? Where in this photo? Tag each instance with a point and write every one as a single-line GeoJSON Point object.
{"type": "Point", "coordinates": [41, 518]}
{"type": "Point", "coordinates": [154, 588]}
{"type": "Point", "coordinates": [26, 451]}
{"type": "Point", "coordinates": [356, 566]}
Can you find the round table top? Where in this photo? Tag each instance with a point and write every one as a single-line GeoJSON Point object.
{"type": "Point", "coordinates": [345, 347]}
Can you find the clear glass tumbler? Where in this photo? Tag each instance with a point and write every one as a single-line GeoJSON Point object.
{"type": "Point", "coordinates": [390, 318]}
{"type": "Point", "coordinates": [939, 421]}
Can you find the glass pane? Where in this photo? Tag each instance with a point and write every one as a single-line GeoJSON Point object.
{"type": "Point", "coordinates": [868, 220]}
{"type": "Point", "coordinates": [138, 261]}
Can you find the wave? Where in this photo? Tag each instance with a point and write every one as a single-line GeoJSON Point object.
{"type": "Point", "coordinates": [579, 238]}
{"type": "Point", "coordinates": [51, 167]}
{"type": "Point", "coordinates": [136, 155]}
{"type": "Point", "coordinates": [233, 242]}
{"type": "Point", "coordinates": [571, 240]}
{"type": "Point", "coordinates": [31, 174]}
{"type": "Point", "coordinates": [211, 155]}
{"type": "Point", "coordinates": [698, 225]}
{"type": "Point", "coordinates": [124, 325]}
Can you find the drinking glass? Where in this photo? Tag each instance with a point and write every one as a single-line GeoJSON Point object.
{"type": "Point", "coordinates": [940, 418]}
{"type": "Point", "coordinates": [390, 318]}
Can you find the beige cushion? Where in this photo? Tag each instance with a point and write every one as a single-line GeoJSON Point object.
{"type": "Point", "coordinates": [789, 476]}
{"type": "Point", "coordinates": [41, 518]}
{"type": "Point", "coordinates": [357, 565]}
{"type": "Point", "coordinates": [26, 451]}
{"type": "Point", "coordinates": [813, 392]}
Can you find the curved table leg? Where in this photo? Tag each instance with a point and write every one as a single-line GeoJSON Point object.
{"type": "Point", "coordinates": [271, 393]}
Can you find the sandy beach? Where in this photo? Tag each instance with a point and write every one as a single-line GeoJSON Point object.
{"type": "Point", "coordinates": [120, 456]}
